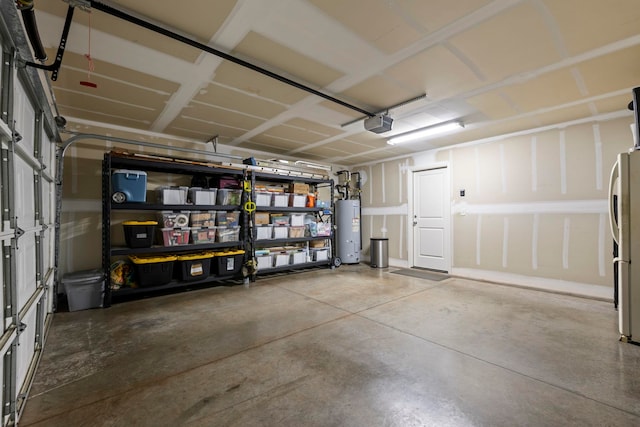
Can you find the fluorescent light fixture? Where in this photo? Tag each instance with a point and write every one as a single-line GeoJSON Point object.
{"type": "Point", "coordinates": [424, 132]}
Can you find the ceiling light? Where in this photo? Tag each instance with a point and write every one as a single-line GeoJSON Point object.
{"type": "Point", "coordinates": [425, 132]}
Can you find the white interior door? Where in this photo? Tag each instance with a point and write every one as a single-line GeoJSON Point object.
{"type": "Point", "coordinates": [431, 219]}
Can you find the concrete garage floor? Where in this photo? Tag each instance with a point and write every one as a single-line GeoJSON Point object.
{"type": "Point", "coordinates": [350, 347]}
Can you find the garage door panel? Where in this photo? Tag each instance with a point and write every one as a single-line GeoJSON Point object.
{"type": "Point", "coordinates": [5, 286]}
{"type": "Point", "coordinates": [25, 210]}
{"type": "Point", "coordinates": [26, 268]}
{"type": "Point", "coordinates": [47, 152]}
{"type": "Point", "coordinates": [47, 191]}
{"type": "Point", "coordinates": [26, 345]}
{"type": "Point", "coordinates": [24, 115]}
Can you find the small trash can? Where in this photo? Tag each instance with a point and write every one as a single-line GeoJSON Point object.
{"type": "Point", "coordinates": [379, 250]}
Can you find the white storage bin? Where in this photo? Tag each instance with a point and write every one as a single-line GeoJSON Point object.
{"type": "Point", "coordinates": [263, 199]}
{"type": "Point", "coordinates": [320, 254]}
{"type": "Point", "coordinates": [265, 262]}
{"type": "Point", "coordinates": [172, 195]}
{"type": "Point", "coordinates": [281, 232]}
{"type": "Point", "coordinates": [298, 200]}
{"type": "Point", "coordinates": [280, 200]}
{"type": "Point", "coordinates": [281, 259]}
{"type": "Point", "coordinates": [296, 220]}
{"type": "Point", "coordinates": [299, 257]}
{"type": "Point", "coordinates": [264, 232]}
{"type": "Point", "coordinates": [203, 196]}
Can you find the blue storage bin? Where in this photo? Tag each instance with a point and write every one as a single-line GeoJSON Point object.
{"type": "Point", "coordinates": [128, 186]}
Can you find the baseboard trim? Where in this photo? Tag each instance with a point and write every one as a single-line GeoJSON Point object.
{"type": "Point", "coordinates": [565, 287]}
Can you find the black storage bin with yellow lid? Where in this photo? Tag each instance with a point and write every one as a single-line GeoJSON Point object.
{"type": "Point", "coordinates": [139, 234]}
{"type": "Point", "coordinates": [153, 270]}
{"type": "Point", "coordinates": [195, 266]}
{"type": "Point", "coordinates": [227, 263]}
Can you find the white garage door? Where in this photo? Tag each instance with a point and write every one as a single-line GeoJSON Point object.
{"type": "Point", "coordinates": [27, 231]}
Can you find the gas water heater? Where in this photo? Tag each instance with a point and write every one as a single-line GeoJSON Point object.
{"type": "Point", "coordinates": [348, 230]}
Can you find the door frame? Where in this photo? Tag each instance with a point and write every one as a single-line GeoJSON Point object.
{"type": "Point", "coordinates": [410, 191]}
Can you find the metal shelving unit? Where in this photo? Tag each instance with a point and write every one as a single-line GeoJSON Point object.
{"type": "Point", "coordinates": [247, 239]}
{"type": "Point", "coordinates": [320, 212]}
{"type": "Point", "coordinates": [153, 164]}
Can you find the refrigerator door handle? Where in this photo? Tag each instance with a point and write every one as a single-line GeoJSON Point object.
{"type": "Point", "coordinates": [613, 221]}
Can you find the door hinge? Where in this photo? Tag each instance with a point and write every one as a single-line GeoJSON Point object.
{"type": "Point", "coordinates": [19, 232]}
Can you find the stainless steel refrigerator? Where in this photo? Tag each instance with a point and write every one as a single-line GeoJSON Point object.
{"type": "Point", "coordinates": [624, 214]}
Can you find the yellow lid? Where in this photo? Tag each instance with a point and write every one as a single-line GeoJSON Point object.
{"type": "Point", "coordinates": [199, 255]}
{"type": "Point", "coordinates": [140, 223]}
{"type": "Point", "coordinates": [151, 259]}
{"type": "Point", "coordinates": [226, 253]}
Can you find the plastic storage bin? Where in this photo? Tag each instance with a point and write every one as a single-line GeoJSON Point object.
{"type": "Point", "coordinates": [280, 219]}
{"type": "Point", "coordinates": [296, 232]}
{"type": "Point", "coordinates": [128, 186]}
{"type": "Point", "coordinates": [264, 232]}
{"type": "Point", "coordinates": [176, 236]}
{"type": "Point", "coordinates": [172, 195]}
{"type": "Point", "coordinates": [280, 259]}
{"type": "Point", "coordinates": [139, 234]}
{"type": "Point", "coordinates": [170, 219]}
{"type": "Point", "coordinates": [203, 235]}
{"type": "Point", "coordinates": [195, 266]}
{"type": "Point", "coordinates": [320, 254]}
{"type": "Point", "coordinates": [203, 196]}
{"type": "Point", "coordinates": [323, 229]}
{"type": "Point", "coordinates": [296, 220]}
{"type": "Point", "coordinates": [281, 232]}
{"type": "Point", "coordinates": [203, 218]}
{"type": "Point", "coordinates": [263, 199]}
{"type": "Point", "coordinates": [153, 270]}
{"type": "Point", "coordinates": [228, 197]}
{"type": "Point", "coordinates": [227, 263]}
{"type": "Point", "coordinates": [297, 200]}
{"type": "Point", "coordinates": [228, 218]}
{"type": "Point", "coordinates": [299, 257]}
{"type": "Point", "coordinates": [265, 261]}
{"type": "Point", "coordinates": [280, 200]}
{"type": "Point", "coordinates": [84, 289]}
{"type": "Point", "coordinates": [228, 234]}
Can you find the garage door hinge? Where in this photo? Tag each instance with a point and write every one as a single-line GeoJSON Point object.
{"type": "Point", "coordinates": [21, 327]}
{"type": "Point", "coordinates": [16, 137]}
{"type": "Point", "coordinates": [19, 232]}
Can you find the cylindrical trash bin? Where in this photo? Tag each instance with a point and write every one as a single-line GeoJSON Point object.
{"type": "Point", "coordinates": [379, 250]}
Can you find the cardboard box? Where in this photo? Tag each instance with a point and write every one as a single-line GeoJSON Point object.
{"type": "Point", "coordinates": [262, 218]}
{"type": "Point", "coordinates": [299, 188]}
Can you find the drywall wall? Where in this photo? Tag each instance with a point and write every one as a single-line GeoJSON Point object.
{"type": "Point", "coordinates": [384, 202]}
{"type": "Point", "coordinates": [535, 205]}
